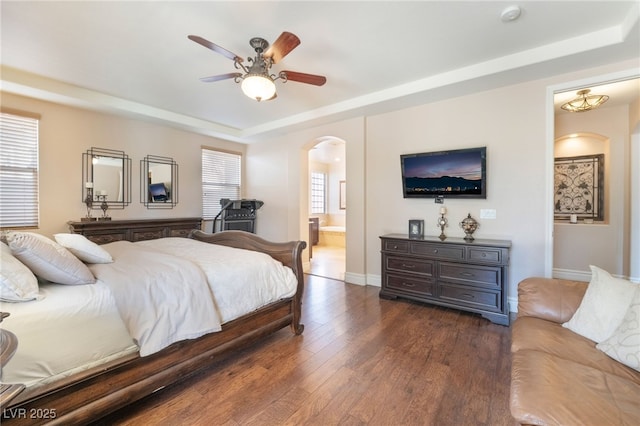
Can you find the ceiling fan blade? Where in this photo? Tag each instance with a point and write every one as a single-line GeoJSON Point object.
{"type": "Point", "coordinates": [221, 50]}
{"type": "Point", "coordinates": [220, 77]}
{"type": "Point", "coordinates": [282, 46]}
{"type": "Point", "coordinates": [316, 80]}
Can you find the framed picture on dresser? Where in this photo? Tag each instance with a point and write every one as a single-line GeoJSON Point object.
{"type": "Point", "coordinates": [416, 228]}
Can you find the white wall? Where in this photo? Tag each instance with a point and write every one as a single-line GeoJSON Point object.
{"type": "Point", "coordinates": [65, 133]}
{"type": "Point", "coordinates": [337, 173]}
{"type": "Point", "coordinates": [634, 219]}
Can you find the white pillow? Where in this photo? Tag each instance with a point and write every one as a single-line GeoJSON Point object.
{"type": "Point", "coordinates": [85, 250]}
{"type": "Point", "coordinates": [48, 259]}
{"type": "Point", "coordinates": [624, 344]}
{"type": "Point", "coordinates": [603, 307]}
{"type": "Point", "coordinates": [17, 282]}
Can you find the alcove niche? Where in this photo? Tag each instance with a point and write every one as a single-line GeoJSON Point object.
{"type": "Point", "coordinates": [581, 177]}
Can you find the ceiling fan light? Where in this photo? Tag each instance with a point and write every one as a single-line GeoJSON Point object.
{"type": "Point", "coordinates": [258, 87]}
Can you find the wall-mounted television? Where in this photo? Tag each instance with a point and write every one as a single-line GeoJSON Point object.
{"type": "Point", "coordinates": [460, 173]}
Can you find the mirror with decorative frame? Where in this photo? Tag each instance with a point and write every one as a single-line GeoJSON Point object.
{"type": "Point", "coordinates": [158, 182]}
{"type": "Point", "coordinates": [106, 178]}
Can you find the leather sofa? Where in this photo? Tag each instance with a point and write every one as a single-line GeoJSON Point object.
{"type": "Point", "coordinates": [559, 377]}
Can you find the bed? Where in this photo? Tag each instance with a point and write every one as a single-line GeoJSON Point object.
{"type": "Point", "coordinates": [131, 368]}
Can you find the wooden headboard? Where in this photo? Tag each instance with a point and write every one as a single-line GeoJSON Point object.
{"type": "Point", "coordinates": [107, 231]}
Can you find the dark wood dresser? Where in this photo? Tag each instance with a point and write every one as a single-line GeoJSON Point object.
{"type": "Point", "coordinates": [102, 232]}
{"type": "Point", "coordinates": [467, 275]}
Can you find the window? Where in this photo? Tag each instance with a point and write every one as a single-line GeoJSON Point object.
{"type": "Point", "coordinates": [221, 173]}
{"type": "Point", "coordinates": [318, 193]}
{"type": "Point", "coordinates": [18, 170]}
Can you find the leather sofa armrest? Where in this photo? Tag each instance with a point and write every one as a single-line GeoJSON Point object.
{"type": "Point", "coordinates": [549, 298]}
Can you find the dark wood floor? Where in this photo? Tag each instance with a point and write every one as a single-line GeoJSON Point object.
{"type": "Point", "coordinates": [360, 361]}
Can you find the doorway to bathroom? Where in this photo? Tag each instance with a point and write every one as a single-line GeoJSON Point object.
{"type": "Point", "coordinates": [327, 208]}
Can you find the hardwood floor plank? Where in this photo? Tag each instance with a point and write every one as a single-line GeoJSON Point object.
{"type": "Point", "coordinates": [427, 390]}
{"type": "Point", "coordinates": [312, 409]}
{"type": "Point", "coordinates": [361, 361]}
{"type": "Point", "coordinates": [280, 410]}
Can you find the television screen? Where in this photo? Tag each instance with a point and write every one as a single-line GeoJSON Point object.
{"type": "Point", "coordinates": [452, 174]}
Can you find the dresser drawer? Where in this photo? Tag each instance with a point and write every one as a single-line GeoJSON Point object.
{"type": "Point", "coordinates": [485, 300]}
{"type": "Point", "coordinates": [485, 255]}
{"type": "Point", "coordinates": [438, 251]}
{"type": "Point", "coordinates": [147, 234]}
{"type": "Point", "coordinates": [416, 266]}
{"type": "Point", "coordinates": [395, 246]}
{"type": "Point", "coordinates": [180, 232]}
{"type": "Point", "coordinates": [484, 276]}
{"type": "Point", "coordinates": [106, 238]}
{"type": "Point", "coordinates": [421, 287]}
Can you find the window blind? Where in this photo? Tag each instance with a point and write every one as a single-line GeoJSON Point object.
{"type": "Point", "coordinates": [221, 173]}
{"type": "Point", "coordinates": [18, 171]}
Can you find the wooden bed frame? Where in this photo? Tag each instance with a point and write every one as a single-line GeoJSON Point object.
{"type": "Point", "coordinates": [87, 397]}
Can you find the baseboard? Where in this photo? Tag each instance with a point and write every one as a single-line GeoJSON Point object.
{"type": "Point", "coordinates": [353, 278]}
{"type": "Point", "coordinates": [374, 280]}
{"type": "Point", "coordinates": [306, 266]}
{"type": "Point", "coordinates": [571, 274]}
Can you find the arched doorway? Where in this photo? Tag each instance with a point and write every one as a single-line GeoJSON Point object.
{"type": "Point", "coordinates": [327, 207]}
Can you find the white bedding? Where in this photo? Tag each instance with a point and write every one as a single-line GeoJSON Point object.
{"type": "Point", "coordinates": [161, 298]}
{"type": "Point", "coordinates": [263, 280]}
{"type": "Point", "coordinates": [69, 329]}
{"type": "Point", "coordinates": [73, 328]}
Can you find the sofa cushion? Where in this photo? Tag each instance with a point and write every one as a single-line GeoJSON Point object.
{"type": "Point", "coordinates": [531, 333]}
{"type": "Point", "coordinates": [549, 298]}
{"type": "Point", "coordinates": [546, 389]}
{"type": "Point", "coordinates": [603, 307]}
{"type": "Point", "coordinates": [624, 344]}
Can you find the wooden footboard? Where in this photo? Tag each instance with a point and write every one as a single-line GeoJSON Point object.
{"type": "Point", "coordinates": [106, 390]}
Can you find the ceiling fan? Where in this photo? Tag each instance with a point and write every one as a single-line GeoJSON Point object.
{"type": "Point", "coordinates": [256, 80]}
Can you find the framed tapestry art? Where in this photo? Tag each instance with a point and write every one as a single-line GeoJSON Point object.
{"type": "Point", "coordinates": [579, 187]}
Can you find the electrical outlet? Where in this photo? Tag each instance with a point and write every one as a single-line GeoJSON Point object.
{"type": "Point", "coordinates": [487, 213]}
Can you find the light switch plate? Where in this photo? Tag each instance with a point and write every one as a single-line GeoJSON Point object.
{"type": "Point", "coordinates": [487, 213]}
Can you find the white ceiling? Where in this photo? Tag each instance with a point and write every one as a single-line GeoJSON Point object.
{"type": "Point", "coordinates": [134, 58]}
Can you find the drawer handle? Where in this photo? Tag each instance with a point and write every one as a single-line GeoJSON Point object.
{"type": "Point", "coordinates": [467, 295]}
{"type": "Point", "coordinates": [435, 250]}
{"type": "Point", "coordinates": [395, 247]}
{"type": "Point", "coordinates": [466, 274]}
{"type": "Point", "coordinates": [404, 265]}
{"type": "Point", "coordinates": [404, 284]}
{"type": "Point", "coordinates": [484, 254]}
